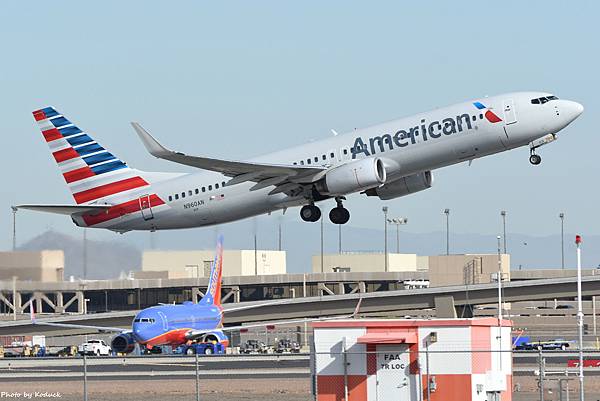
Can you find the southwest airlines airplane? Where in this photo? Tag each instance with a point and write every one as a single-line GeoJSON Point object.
{"type": "Point", "coordinates": [387, 160]}
{"type": "Point", "coordinates": [177, 324]}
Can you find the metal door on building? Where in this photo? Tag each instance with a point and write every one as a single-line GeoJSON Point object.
{"type": "Point", "coordinates": [146, 207]}
{"type": "Point", "coordinates": [393, 373]}
{"type": "Point", "coordinates": [510, 115]}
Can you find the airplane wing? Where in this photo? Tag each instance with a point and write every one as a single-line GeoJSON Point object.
{"type": "Point", "coordinates": [194, 334]}
{"type": "Point", "coordinates": [65, 209]}
{"type": "Point", "coordinates": [284, 176]}
{"type": "Point", "coordinates": [100, 329]}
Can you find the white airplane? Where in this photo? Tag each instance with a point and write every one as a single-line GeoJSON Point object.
{"type": "Point", "coordinates": [387, 160]}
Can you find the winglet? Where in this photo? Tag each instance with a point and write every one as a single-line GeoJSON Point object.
{"type": "Point", "coordinates": [152, 145]}
{"type": "Point", "coordinates": [357, 309]}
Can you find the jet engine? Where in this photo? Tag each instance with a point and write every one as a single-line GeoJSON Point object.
{"type": "Point", "coordinates": [123, 343]}
{"type": "Point", "coordinates": [353, 177]}
{"type": "Point", "coordinates": [403, 186]}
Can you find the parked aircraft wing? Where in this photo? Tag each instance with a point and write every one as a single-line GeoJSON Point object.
{"type": "Point", "coordinates": [240, 171]}
{"type": "Point", "coordinates": [100, 329]}
{"type": "Point", "coordinates": [65, 209]}
{"type": "Point", "coordinates": [194, 334]}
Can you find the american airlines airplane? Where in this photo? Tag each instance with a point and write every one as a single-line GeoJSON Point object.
{"type": "Point", "coordinates": [387, 160]}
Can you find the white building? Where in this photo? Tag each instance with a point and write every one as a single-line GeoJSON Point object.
{"type": "Point", "coordinates": [191, 264]}
{"type": "Point", "coordinates": [368, 262]}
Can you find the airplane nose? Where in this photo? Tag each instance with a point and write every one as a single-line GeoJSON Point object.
{"type": "Point", "coordinates": [572, 109]}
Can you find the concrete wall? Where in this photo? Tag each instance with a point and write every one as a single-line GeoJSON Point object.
{"type": "Point", "coordinates": [45, 266]}
{"type": "Point", "coordinates": [365, 262]}
{"type": "Point", "coordinates": [447, 270]}
{"type": "Point", "coordinates": [186, 264]}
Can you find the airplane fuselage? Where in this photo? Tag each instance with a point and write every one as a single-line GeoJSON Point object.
{"type": "Point", "coordinates": [407, 146]}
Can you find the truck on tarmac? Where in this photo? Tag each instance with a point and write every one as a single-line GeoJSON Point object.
{"type": "Point", "coordinates": [94, 347]}
{"type": "Point", "coordinates": [208, 348]}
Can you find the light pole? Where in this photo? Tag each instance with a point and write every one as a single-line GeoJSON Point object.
{"type": "Point", "coordinates": [562, 239]}
{"type": "Point", "coordinates": [503, 214]}
{"type": "Point", "coordinates": [322, 264]}
{"type": "Point", "coordinates": [579, 317]}
{"type": "Point", "coordinates": [385, 250]}
{"type": "Point", "coordinates": [85, 250]}
{"type": "Point", "coordinates": [398, 221]}
{"type": "Point", "coordinates": [499, 284]}
{"type": "Point", "coordinates": [340, 239]}
{"type": "Point", "coordinates": [447, 213]}
{"type": "Point", "coordinates": [14, 242]}
{"type": "Point", "coordinates": [279, 236]}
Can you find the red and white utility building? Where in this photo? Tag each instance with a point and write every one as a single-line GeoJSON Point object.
{"type": "Point", "coordinates": [413, 360]}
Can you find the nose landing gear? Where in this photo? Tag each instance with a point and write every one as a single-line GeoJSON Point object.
{"type": "Point", "coordinates": [535, 159]}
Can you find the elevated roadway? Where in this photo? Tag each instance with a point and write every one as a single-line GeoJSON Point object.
{"type": "Point", "coordinates": [447, 302]}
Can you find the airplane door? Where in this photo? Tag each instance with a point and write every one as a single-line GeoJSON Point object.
{"type": "Point", "coordinates": [146, 207]}
{"type": "Point", "coordinates": [510, 115]}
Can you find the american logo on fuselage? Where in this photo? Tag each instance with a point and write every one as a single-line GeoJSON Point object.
{"type": "Point", "coordinates": [427, 131]}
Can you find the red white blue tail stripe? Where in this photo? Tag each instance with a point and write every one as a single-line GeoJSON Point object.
{"type": "Point", "coordinates": [90, 171]}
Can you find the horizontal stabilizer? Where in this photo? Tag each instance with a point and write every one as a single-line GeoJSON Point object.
{"type": "Point", "coordinates": [65, 209]}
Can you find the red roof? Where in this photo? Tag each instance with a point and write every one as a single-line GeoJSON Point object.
{"type": "Point", "coordinates": [397, 337]}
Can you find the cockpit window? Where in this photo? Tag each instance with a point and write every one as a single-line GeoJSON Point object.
{"type": "Point", "coordinates": [544, 99]}
{"type": "Point", "coordinates": [144, 320]}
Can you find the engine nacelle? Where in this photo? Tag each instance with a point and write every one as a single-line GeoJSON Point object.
{"type": "Point", "coordinates": [352, 177]}
{"type": "Point", "coordinates": [403, 186]}
{"type": "Point", "coordinates": [124, 343]}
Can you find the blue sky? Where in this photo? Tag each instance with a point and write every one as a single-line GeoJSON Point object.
{"type": "Point", "coordinates": [237, 79]}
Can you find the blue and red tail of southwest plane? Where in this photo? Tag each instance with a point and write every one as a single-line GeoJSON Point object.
{"type": "Point", "coordinates": [213, 293]}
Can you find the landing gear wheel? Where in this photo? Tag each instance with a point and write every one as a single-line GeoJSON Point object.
{"type": "Point", "coordinates": [339, 215]}
{"type": "Point", "coordinates": [310, 213]}
{"type": "Point", "coordinates": [535, 159]}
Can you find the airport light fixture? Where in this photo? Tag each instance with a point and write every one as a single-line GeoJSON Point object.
{"type": "Point", "coordinates": [562, 239]}
{"type": "Point", "coordinates": [503, 214]}
{"type": "Point", "coordinates": [579, 317]}
{"type": "Point", "coordinates": [398, 221]}
{"type": "Point", "coordinates": [447, 213]}
{"type": "Point", "coordinates": [14, 238]}
{"type": "Point", "coordinates": [385, 250]}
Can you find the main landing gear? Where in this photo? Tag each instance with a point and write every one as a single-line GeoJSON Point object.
{"type": "Point", "coordinates": [337, 215]}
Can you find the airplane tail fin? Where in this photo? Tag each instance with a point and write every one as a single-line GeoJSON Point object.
{"type": "Point", "coordinates": [213, 293]}
{"type": "Point", "coordinates": [90, 171]}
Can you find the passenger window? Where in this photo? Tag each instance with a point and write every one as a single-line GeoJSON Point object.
{"type": "Point", "coordinates": [331, 155]}
{"type": "Point", "coordinates": [203, 189]}
{"type": "Point", "coordinates": [170, 198]}
{"type": "Point", "coordinates": [474, 118]}
{"type": "Point", "coordinates": [216, 186]}
{"type": "Point", "coordinates": [176, 196]}
{"type": "Point", "coordinates": [197, 191]}
{"type": "Point", "coordinates": [324, 157]}
{"type": "Point", "coordinates": [210, 187]}
{"type": "Point", "coordinates": [481, 116]}
{"type": "Point", "coordinates": [223, 183]}
{"type": "Point", "coordinates": [316, 159]}
{"type": "Point", "coordinates": [345, 151]}
{"type": "Point", "coordinates": [307, 161]}
{"type": "Point", "coordinates": [302, 162]}
{"type": "Point", "coordinates": [183, 195]}
{"type": "Point", "coordinates": [190, 192]}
